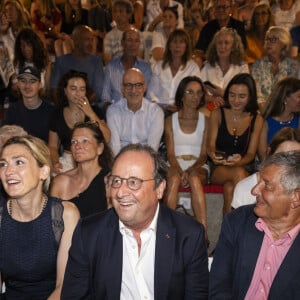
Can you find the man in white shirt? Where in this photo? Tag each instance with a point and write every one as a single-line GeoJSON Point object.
{"type": "Point", "coordinates": [134, 119]}
{"type": "Point", "coordinates": [139, 249]}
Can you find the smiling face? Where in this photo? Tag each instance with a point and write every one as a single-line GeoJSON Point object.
{"type": "Point", "coordinates": [238, 97]}
{"type": "Point", "coordinates": [136, 208]}
{"type": "Point", "coordinates": [29, 86]}
{"type": "Point", "coordinates": [133, 88]}
{"type": "Point", "coordinates": [272, 201]}
{"type": "Point", "coordinates": [19, 172]}
{"type": "Point", "coordinates": [84, 146]}
{"type": "Point", "coordinates": [75, 89]}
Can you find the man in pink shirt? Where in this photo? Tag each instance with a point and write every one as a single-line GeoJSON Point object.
{"type": "Point", "coordinates": [258, 253]}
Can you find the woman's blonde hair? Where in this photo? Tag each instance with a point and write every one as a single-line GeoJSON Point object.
{"type": "Point", "coordinates": [237, 55]}
{"type": "Point", "coordinates": [38, 149]}
{"type": "Point", "coordinates": [284, 37]}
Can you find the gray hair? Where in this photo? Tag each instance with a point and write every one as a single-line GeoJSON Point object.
{"type": "Point", "coordinates": [289, 162]}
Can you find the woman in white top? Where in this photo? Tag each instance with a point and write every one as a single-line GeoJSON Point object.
{"type": "Point", "coordinates": [168, 73]}
{"type": "Point", "coordinates": [185, 134]}
{"type": "Point", "coordinates": [225, 58]}
{"type": "Point", "coordinates": [285, 12]}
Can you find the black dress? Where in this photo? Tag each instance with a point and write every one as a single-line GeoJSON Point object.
{"type": "Point", "coordinates": [93, 199]}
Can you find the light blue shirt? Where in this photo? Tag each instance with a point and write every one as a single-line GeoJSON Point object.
{"type": "Point", "coordinates": [144, 126]}
{"type": "Point", "coordinates": [114, 72]}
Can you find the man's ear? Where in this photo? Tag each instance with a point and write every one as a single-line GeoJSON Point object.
{"type": "Point", "coordinates": [295, 199]}
{"type": "Point", "coordinates": [160, 189]}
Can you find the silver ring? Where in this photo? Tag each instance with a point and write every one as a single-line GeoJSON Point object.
{"type": "Point", "coordinates": [84, 103]}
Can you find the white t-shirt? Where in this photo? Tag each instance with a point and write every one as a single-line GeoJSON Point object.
{"type": "Point", "coordinates": [242, 192]}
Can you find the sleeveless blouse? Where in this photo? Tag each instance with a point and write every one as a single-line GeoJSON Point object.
{"type": "Point", "coordinates": [93, 199]}
{"type": "Point", "coordinates": [186, 144]}
{"type": "Point", "coordinates": [28, 253]}
{"type": "Point", "coordinates": [232, 144]}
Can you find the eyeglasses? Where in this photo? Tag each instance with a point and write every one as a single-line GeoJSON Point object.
{"type": "Point", "coordinates": [222, 7]}
{"type": "Point", "coordinates": [132, 183]}
{"type": "Point", "coordinates": [192, 93]}
{"type": "Point", "coordinates": [272, 39]}
{"type": "Point", "coordinates": [129, 86]}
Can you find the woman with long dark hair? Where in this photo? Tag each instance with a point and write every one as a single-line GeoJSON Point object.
{"type": "Point", "coordinates": [233, 135]}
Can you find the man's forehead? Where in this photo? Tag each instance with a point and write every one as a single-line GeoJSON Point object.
{"type": "Point", "coordinates": [132, 75]}
{"type": "Point", "coordinates": [133, 158]}
{"type": "Point", "coordinates": [132, 34]}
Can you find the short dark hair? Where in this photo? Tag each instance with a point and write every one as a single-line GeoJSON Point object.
{"type": "Point", "coordinates": [246, 79]}
{"type": "Point", "coordinates": [160, 166]}
{"type": "Point", "coordinates": [123, 3]}
{"type": "Point", "coordinates": [181, 89]}
{"type": "Point", "coordinates": [290, 165]}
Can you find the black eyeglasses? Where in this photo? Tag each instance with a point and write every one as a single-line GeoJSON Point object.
{"type": "Point", "coordinates": [194, 94]}
{"type": "Point", "coordinates": [132, 183]}
{"type": "Point", "coordinates": [129, 86]}
{"type": "Point", "coordinates": [272, 39]}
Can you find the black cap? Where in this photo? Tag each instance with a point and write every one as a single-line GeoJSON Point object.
{"type": "Point", "coordinates": [30, 71]}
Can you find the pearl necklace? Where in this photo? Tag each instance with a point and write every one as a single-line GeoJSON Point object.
{"type": "Point", "coordinates": [44, 200]}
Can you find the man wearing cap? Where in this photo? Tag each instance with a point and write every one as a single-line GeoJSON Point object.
{"type": "Point", "coordinates": [30, 112]}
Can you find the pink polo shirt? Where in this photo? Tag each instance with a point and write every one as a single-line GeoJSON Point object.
{"type": "Point", "coordinates": [270, 257]}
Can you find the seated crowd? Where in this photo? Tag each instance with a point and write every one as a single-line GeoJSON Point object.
{"type": "Point", "coordinates": [182, 93]}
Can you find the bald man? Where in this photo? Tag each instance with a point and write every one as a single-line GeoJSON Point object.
{"type": "Point", "coordinates": [81, 59]}
{"type": "Point", "coordinates": [134, 119]}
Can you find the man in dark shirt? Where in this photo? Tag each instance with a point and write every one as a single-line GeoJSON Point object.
{"type": "Point", "coordinates": [30, 112]}
{"type": "Point", "coordinates": [222, 11]}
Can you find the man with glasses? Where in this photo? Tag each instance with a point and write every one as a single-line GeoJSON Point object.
{"type": "Point", "coordinates": [134, 119]}
{"type": "Point", "coordinates": [116, 68]}
{"type": "Point", "coordinates": [139, 249]}
{"type": "Point", "coordinates": [31, 113]}
{"type": "Point", "coordinates": [222, 11]}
